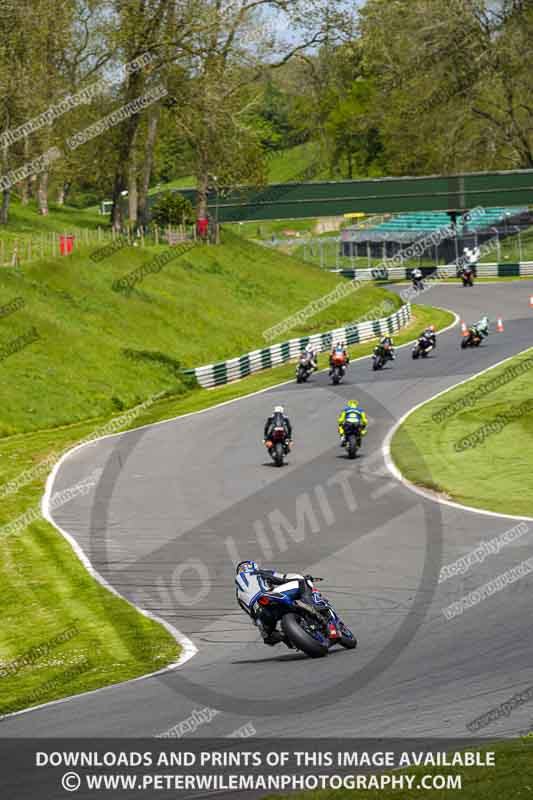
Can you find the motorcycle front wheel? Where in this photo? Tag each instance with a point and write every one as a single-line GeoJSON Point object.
{"type": "Point", "coordinates": [295, 629]}
{"type": "Point", "coordinates": [346, 638]}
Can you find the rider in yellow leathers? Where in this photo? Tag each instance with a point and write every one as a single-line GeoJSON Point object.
{"type": "Point", "coordinates": [352, 410]}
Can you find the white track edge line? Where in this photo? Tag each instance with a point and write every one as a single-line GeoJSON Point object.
{"type": "Point", "coordinates": [189, 649]}
{"type": "Point", "coordinates": [394, 470]}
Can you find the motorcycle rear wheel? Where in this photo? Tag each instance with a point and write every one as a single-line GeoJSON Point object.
{"type": "Point", "coordinates": [278, 454]}
{"type": "Point", "coordinates": [352, 446]}
{"type": "Point", "coordinates": [302, 375]}
{"type": "Point", "coordinates": [301, 639]}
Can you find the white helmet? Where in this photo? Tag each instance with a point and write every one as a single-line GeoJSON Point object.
{"type": "Point", "coordinates": [279, 410]}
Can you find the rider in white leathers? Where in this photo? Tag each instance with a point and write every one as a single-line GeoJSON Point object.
{"type": "Point", "coordinates": [252, 582]}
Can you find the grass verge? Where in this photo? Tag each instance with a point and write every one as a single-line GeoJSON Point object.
{"type": "Point", "coordinates": [493, 469]}
{"type": "Point", "coordinates": [511, 778]}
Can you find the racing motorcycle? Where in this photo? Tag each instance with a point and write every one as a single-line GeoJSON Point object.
{"type": "Point", "coordinates": [278, 445]}
{"type": "Point", "coordinates": [422, 347]}
{"type": "Point", "coordinates": [338, 367]}
{"type": "Point", "coordinates": [467, 276]}
{"type": "Point", "coordinates": [352, 435]}
{"type": "Point", "coordinates": [309, 625]}
{"type": "Point", "coordinates": [382, 354]}
{"type": "Point", "coordinates": [418, 283]}
{"type": "Point", "coordinates": [304, 368]}
{"type": "Point", "coordinates": [471, 339]}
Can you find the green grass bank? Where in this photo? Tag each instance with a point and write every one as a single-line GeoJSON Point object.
{"type": "Point", "coordinates": [477, 440]}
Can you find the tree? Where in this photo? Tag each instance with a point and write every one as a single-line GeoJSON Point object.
{"type": "Point", "coordinates": [171, 208]}
{"type": "Point", "coordinates": [47, 50]}
{"type": "Point", "coordinates": [14, 83]}
{"type": "Point", "coordinates": [354, 138]}
{"type": "Point", "coordinates": [162, 28]}
{"type": "Point", "coordinates": [453, 82]}
{"type": "Point", "coordinates": [218, 112]}
{"type": "Point", "coordinates": [51, 26]}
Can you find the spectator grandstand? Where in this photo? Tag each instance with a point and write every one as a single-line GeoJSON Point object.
{"type": "Point", "coordinates": [385, 239]}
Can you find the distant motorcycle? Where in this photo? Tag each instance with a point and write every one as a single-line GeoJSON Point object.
{"type": "Point", "coordinates": [338, 367]}
{"type": "Point", "coordinates": [382, 354]}
{"type": "Point", "coordinates": [304, 368]}
{"type": "Point", "coordinates": [422, 347]}
{"type": "Point", "coordinates": [471, 339]}
{"type": "Point", "coordinates": [418, 283]}
{"type": "Point", "coordinates": [467, 277]}
{"type": "Point", "coordinates": [278, 445]}
{"type": "Point", "coordinates": [312, 627]}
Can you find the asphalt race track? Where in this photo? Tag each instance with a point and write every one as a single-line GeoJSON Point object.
{"type": "Point", "coordinates": [178, 502]}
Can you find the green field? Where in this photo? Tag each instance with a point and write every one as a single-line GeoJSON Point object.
{"type": "Point", "coordinates": [283, 166]}
{"type": "Point", "coordinates": [30, 237]}
{"type": "Point", "coordinates": [466, 471]}
{"type": "Point", "coordinates": [265, 230]}
{"type": "Point", "coordinates": [510, 779]}
{"type": "Point", "coordinates": [512, 248]}
{"type": "Point", "coordinates": [26, 221]}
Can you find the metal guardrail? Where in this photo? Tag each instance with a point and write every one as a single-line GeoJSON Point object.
{"type": "Point", "coordinates": [508, 270]}
{"type": "Point", "coordinates": [236, 368]}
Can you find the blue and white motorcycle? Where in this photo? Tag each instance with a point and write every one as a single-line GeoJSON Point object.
{"type": "Point", "coordinates": [309, 625]}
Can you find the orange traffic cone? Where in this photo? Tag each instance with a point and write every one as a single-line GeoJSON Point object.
{"type": "Point", "coordinates": [464, 329]}
{"type": "Point", "coordinates": [531, 300]}
{"type": "Point", "coordinates": [499, 325]}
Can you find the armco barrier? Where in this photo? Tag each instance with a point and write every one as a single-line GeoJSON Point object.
{"type": "Point", "coordinates": [227, 371]}
{"type": "Point", "coordinates": [508, 270]}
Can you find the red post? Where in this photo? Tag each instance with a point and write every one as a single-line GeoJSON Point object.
{"type": "Point", "coordinates": [201, 227]}
{"type": "Point", "coordinates": [66, 244]}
